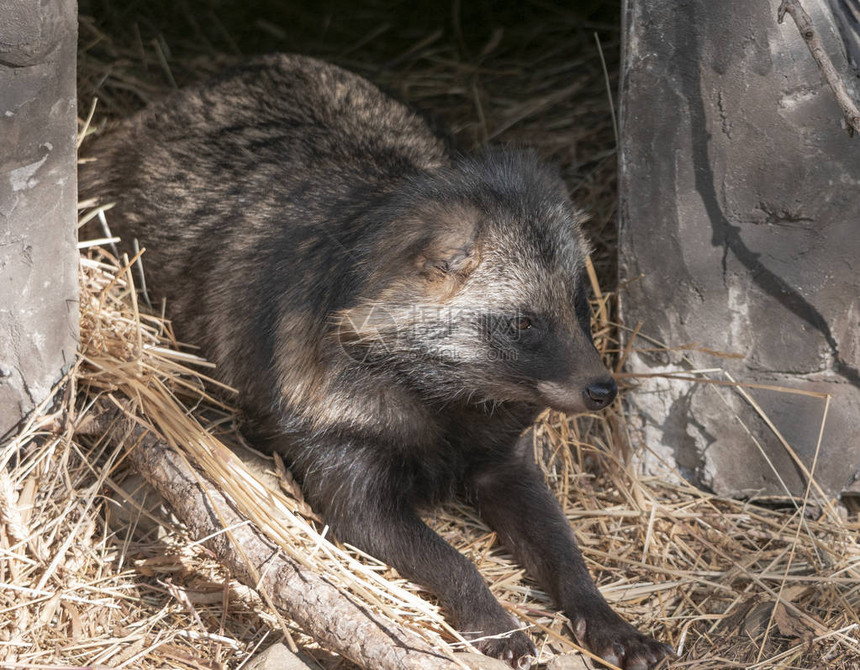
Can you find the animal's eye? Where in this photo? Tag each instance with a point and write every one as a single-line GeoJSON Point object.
{"type": "Point", "coordinates": [522, 323]}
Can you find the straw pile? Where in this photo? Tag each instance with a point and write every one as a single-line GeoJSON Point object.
{"type": "Point", "coordinates": [94, 572]}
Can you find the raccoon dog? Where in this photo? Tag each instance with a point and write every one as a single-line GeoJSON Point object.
{"type": "Point", "coordinates": [393, 317]}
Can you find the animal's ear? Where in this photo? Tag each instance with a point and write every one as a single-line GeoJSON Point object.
{"type": "Point", "coordinates": [454, 251]}
{"type": "Point", "coordinates": [445, 260]}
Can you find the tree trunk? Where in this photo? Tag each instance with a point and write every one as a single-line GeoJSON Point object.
{"type": "Point", "coordinates": [38, 196]}
{"type": "Point", "coordinates": [739, 232]}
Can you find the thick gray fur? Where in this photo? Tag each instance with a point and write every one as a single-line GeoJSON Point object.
{"type": "Point", "coordinates": [392, 315]}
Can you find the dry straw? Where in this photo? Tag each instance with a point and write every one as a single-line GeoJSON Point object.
{"type": "Point", "coordinates": [81, 589]}
{"type": "Point", "coordinates": [94, 572]}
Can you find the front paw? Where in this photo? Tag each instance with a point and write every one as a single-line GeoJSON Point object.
{"type": "Point", "coordinates": [515, 649]}
{"type": "Point", "coordinates": [607, 635]}
{"type": "Point", "coordinates": [494, 633]}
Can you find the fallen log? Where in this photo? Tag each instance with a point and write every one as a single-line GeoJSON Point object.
{"type": "Point", "coordinates": [317, 606]}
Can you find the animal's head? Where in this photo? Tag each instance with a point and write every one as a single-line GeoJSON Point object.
{"type": "Point", "coordinates": [481, 292]}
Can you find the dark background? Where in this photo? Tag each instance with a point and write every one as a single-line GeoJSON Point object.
{"type": "Point", "coordinates": [524, 73]}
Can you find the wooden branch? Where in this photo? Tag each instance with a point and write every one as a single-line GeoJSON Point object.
{"type": "Point", "coordinates": [308, 598]}
{"type": "Point", "coordinates": [831, 75]}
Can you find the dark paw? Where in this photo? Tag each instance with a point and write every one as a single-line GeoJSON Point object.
{"type": "Point", "coordinates": [515, 649]}
{"type": "Point", "coordinates": [607, 635]}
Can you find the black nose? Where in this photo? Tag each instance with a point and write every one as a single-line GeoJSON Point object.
{"type": "Point", "coordinates": [599, 394]}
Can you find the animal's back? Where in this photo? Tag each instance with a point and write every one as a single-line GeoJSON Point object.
{"type": "Point", "coordinates": [232, 186]}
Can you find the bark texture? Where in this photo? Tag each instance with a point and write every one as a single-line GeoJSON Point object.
{"type": "Point", "coordinates": [739, 233]}
{"type": "Point", "coordinates": [38, 194]}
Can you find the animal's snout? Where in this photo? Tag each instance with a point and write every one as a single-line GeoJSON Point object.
{"type": "Point", "coordinates": [572, 396]}
{"type": "Point", "coordinates": [600, 393]}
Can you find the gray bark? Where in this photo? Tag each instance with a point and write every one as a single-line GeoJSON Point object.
{"type": "Point", "coordinates": [38, 195]}
{"type": "Point", "coordinates": [740, 209]}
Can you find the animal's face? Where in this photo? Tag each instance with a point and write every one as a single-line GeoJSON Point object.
{"type": "Point", "coordinates": [530, 336]}
{"type": "Point", "coordinates": [483, 294]}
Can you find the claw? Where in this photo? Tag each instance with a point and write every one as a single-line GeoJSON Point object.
{"type": "Point", "coordinates": [610, 657]}
{"type": "Point", "coordinates": [617, 642]}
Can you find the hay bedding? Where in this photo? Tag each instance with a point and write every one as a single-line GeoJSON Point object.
{"type": "Point", "coordinates": [83, 584]}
